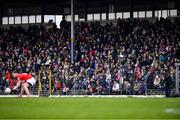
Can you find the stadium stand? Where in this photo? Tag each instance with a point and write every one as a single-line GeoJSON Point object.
{"type": "Point", "coordinates": [131, 55]}
{"type": "Point", "coordinates": [120, 47]}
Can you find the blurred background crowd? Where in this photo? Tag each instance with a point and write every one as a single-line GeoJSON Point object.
{"type": "Point", "coordinates": [126, 57]}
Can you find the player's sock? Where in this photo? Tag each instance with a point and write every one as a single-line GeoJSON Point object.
{"type": "Point", "coordinates": [20, 95]}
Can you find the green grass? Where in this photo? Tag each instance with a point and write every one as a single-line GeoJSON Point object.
{"type": "Point", "coordinates": [89, 108]}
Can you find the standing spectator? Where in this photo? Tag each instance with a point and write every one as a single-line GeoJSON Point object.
{"type": "Point", "coordinates": [167, 80]}
{"type": "Point", "coordinates": [63, 23]}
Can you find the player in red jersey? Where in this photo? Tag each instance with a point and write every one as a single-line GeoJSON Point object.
{"type": "Point", "coordinates": [25, 80]}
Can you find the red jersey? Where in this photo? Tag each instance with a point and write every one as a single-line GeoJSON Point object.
{"type": "Point", "coordinates": [23, 76]}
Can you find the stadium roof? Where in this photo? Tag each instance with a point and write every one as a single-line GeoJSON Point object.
{"type": "Point", "coordinates": [91, 6]}
{"type": "Point", "coordinates": [28, 3]}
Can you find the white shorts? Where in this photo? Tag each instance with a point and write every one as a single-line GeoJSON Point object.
{"type": "Point", "coordinates": [31, 81]}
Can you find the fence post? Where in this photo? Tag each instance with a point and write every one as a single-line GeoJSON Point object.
{"type": "Point", "coordinates": [50, 89]}
{"type": "Point", "coordinates": [40, 85]}
{"type": "Point", "coordinates": [177, 77]}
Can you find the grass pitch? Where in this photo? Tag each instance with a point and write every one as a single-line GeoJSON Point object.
{"type": "Point", "coordinates": [89, 108]}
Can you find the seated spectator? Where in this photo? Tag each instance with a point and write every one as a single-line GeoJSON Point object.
{"type": "Point", "coordinates": [157, 81]}
{"type": "Point", "coordinates": [116, 88]}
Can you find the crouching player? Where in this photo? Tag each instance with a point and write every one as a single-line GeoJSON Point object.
{"type": "Point", "coordinates": [24, 80]}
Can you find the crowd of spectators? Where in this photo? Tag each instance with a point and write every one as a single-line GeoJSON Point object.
{"type": "Point", "coordinates": [126, 57]}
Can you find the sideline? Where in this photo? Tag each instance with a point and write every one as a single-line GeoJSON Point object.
{"type": "Point", "coordinates": [95, 96]}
